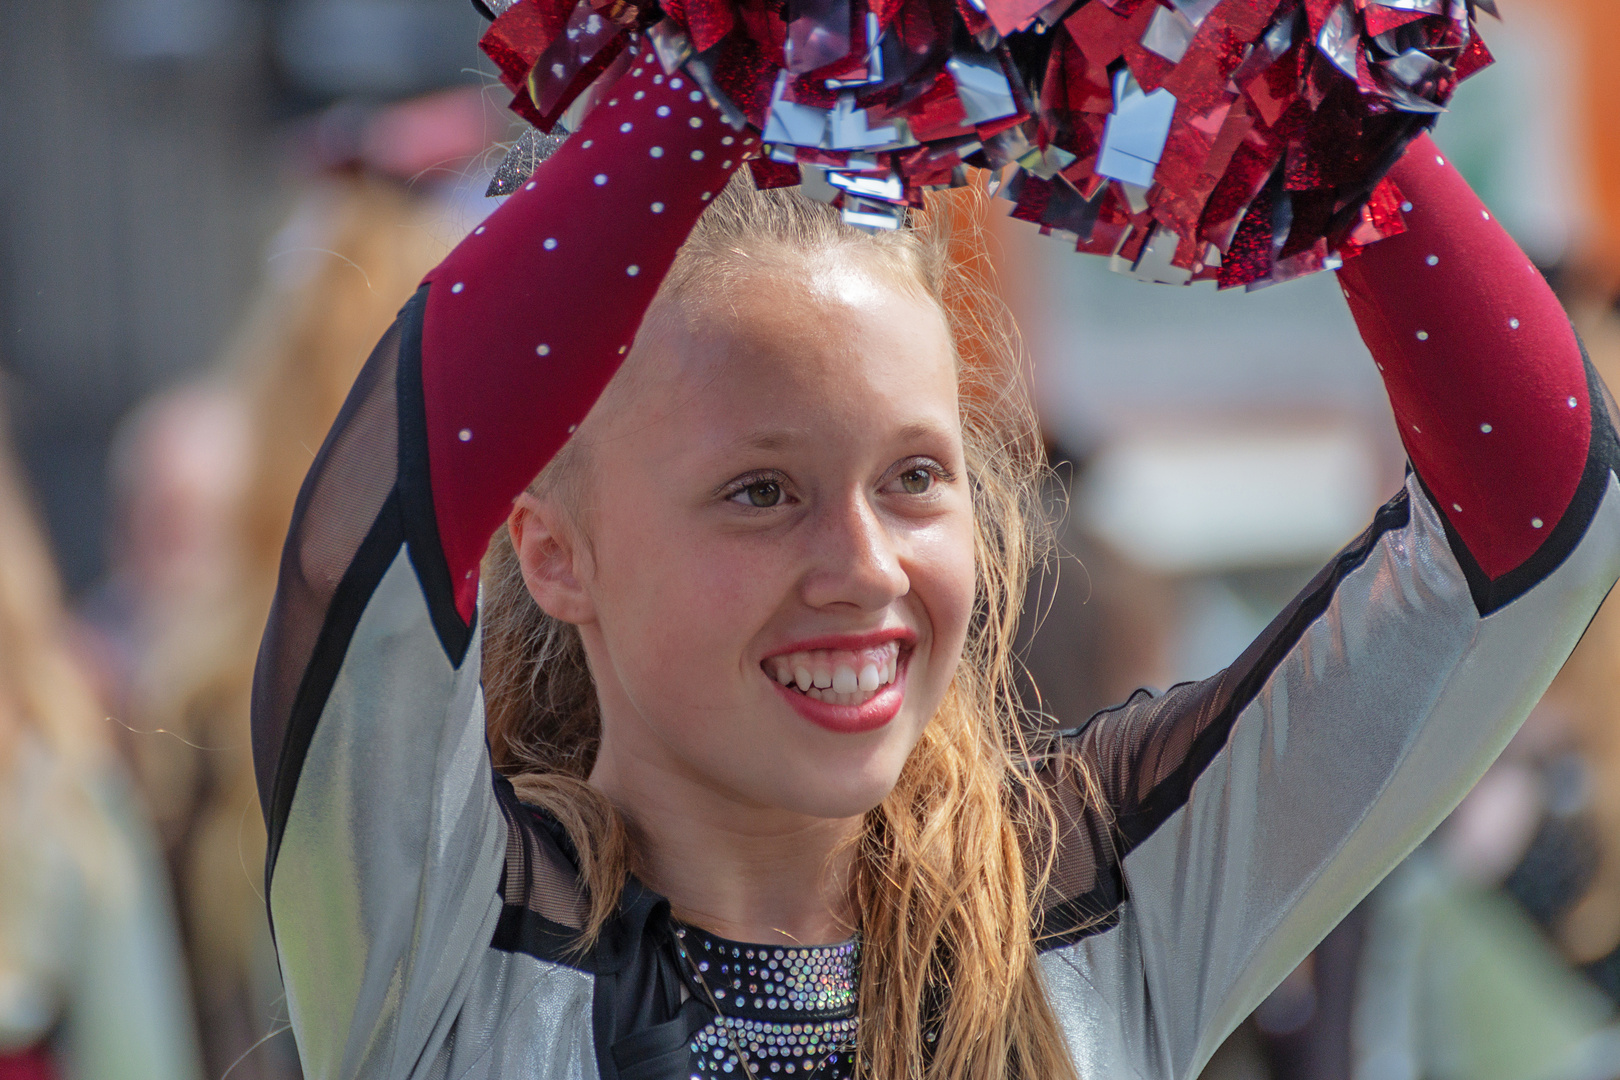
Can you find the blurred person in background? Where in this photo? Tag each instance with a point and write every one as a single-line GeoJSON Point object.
{"type": "Point", "coordinates": [92, 985]}
{"type": "Point", "coordinates": [366, 228]}
{"type": "Point", "coordinates": [1095, 625]}
{"type": "Point", "coordinates": [176, 468]}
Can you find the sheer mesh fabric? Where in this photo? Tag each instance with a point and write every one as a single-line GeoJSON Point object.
{"type": "Point", "coordinates": [1113, 781]}
{"type": "Point", "coordinates": [1084, 841]}
{"type": "Point", "coordinates": [352, 477]}
{"type": "Point", "coordinates": [539, 878]}
{"type": "Point", "coordinates": [1135, 749]}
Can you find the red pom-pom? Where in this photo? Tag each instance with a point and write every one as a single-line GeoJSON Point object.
{"type": "Point", "coordinates": [1247, 145]}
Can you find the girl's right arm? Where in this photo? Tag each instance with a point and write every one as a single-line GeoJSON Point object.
{"type": "Point", "coordinates": [386, 838]}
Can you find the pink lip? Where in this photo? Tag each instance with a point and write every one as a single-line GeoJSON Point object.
{"type": "Point", "coordinates": [852, 642]}
{"type": "Point", "coordinates": [852, 719]}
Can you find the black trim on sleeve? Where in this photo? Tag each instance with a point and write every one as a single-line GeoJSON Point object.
{"type": "Point", "coordinates": [1254, 669]}
{"type": "Point", "coordinates": [520, 930]}
{"type": "Point", "coordinates": [375, 555]}
{"type": "Point", "coordinates": [1602, 456]}
{"type": "Point", "coordinates": [1223, 698]}
{"type": "Point", "coordinates": [1083, 916]}
{"type": "Point", "coordinates": [416, 490]}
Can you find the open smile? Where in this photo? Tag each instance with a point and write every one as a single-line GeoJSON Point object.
{"type": "Point", "coordinates": [846, 685]}
{"type": "Point", "coordinates": [837, 676]}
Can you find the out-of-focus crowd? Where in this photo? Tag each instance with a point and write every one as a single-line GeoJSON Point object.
{"type": "Point", "coordinates": [133, 936]}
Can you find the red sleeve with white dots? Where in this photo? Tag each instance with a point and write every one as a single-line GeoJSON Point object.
{"type": "Point", "coordinates": [529, 317]}
{"type": "Point", "coordinates": [1486, 376]}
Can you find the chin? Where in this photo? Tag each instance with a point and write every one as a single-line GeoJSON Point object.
{"type": "Point", "coordinates": [836, 790]}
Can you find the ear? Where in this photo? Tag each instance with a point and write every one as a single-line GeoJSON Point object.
{"type": "Point", "coordinates": [551, 558]}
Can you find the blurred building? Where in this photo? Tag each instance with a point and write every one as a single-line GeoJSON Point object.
{"type": "Point", "coordinates": [142, 171]}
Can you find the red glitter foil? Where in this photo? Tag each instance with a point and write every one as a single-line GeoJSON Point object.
{"type": "Point", "coordinates": [1261, 112]}
{"type": "Point", "coordinates": [773, 174]}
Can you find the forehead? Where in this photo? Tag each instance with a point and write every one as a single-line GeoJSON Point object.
{"type": "Point", "coordinates": [828, 354]}
{"type": "Point", "coordinates": [832, 321]}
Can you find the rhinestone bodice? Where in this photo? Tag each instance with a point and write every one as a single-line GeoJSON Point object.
{"type": "Point", "coordinates": [790, 1010]}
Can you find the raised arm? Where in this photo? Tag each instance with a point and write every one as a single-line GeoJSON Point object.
{"type": "Point", "coordinates": [386, 838]}
{"type": "Point", "coordinates": [1507, 427]}
{"type": "Point", "coordinates": [1245, 815]}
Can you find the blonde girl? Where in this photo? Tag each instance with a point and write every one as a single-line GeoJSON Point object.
{"type": "Point", "coordinates": [754, 799]}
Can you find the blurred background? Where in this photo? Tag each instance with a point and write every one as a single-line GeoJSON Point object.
{"type": "Point", "coordinates": [211, 209]}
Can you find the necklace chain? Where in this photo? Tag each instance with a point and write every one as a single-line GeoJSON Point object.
{"type": "Point", "coordinates": [714, 1003]}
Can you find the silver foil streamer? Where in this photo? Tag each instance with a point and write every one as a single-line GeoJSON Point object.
{"type": "Point", "coordinates": [1133, 141]}
{"type": "Point", "coordinates": [982, 88]}
{"type": "Point", "coordinates": [671, 44]}
{"type": "Point", "coordinates": [818, 34]}
{"type": "Point", "coordinates": [522, 158]}
{"type": "Point", "coordinates": [1340, 39]}
{"type": "Point", "coordinates": [1169, 34]}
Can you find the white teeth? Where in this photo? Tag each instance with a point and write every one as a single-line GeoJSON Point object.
{"type": "Point", "coordinates": [839, 682]}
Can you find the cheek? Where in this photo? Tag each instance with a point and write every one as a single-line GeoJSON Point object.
{"type": "Point", "coordinates": [678, 606]}
{"type": "Point", "coordinates": [942, 578]}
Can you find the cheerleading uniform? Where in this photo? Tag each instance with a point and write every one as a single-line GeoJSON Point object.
{"type": "Point", "coordinates": [423, 916]}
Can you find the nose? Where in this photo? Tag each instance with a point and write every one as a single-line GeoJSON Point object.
{"type": "Point", "coordinates": [856, 558]}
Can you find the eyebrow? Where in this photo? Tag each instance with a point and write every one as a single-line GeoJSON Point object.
{"type": "Point", "coordinates": [770, 439]}
{"type": "Point", "coordinates": [782, 438]}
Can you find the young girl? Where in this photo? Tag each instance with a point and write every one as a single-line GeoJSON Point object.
{"type": "Point", "coordinates": [763, 806]}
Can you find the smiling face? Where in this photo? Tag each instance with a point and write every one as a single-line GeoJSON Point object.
{"type": "Point", "coordinates": [775, 572]}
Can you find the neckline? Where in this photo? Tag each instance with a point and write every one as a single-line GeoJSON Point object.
{"type": "Point", "coordinates": [792, 983]}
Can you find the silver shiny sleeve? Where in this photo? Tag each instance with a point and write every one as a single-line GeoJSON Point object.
{"type": "Point", "coordinates": [384, 891]}
{"type": "Point", "coordinates": [1365, 734]}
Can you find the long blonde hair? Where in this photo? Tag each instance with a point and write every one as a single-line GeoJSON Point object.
{"type": "Point", "coordinates": [950, 866]}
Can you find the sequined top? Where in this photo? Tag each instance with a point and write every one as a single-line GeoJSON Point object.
{"type": "Point", "coordinates": [790, 1011]}
{"type": "Point", "coordinates": [427, 924]}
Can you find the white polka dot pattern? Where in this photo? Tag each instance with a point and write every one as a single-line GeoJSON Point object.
{"type": "Point", "coordinates": [517, 342]}
{"type": "Point", "coordinates": [1482, 368]}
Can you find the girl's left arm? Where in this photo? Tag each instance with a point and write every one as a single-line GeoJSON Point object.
{"type": "Point", "coordinates": [1242, 817]}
